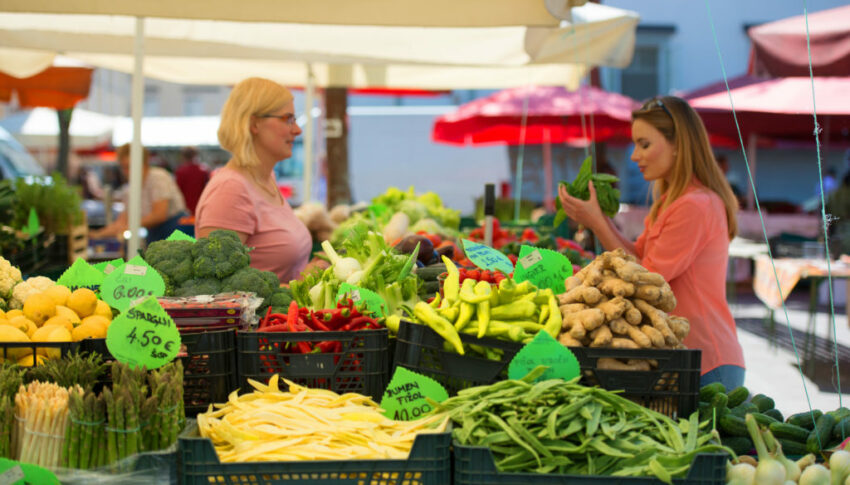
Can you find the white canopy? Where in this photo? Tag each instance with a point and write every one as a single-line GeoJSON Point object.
{"type": "Point", "coordinates": [39, 127]}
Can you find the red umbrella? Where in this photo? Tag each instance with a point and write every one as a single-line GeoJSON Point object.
{"type": "Point", "coordinates": [779, 48]}
{"type": "Point", "coordinates": [554, 115]}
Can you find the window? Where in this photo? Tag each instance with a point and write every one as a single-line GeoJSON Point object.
{"type": "Point", "coordinates": [649, 73]}
{"type": "Point", "coordinates": [193, 105]}
{"type": "Point", "coordinates": [151, 101]}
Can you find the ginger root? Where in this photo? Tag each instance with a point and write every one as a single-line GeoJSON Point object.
{"type": "Point", "coordinates": [654, 335]}
{"type": "Point", "coordinates": [623, 343]}
{"type": "Point", "coordinates": [680, 326]}
{"type": "Point", "coordinates": [602, 337]}
{"type": "Point", "coordinates": [612, 286]}
{"type": "Point", "coordinates": [581, 294]}
{"type": "Point", "coordinates": [588, 320]}
{"type": "Point", "coordinates": [613, 309]}
{"type": "Point", "coordinates": [567, 340]}
{"type": "Point", "coordinates": [572, 308]}
{"type": "Point", "coordinates": [658, 319]}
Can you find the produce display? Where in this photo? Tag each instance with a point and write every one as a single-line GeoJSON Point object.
{"type": "Point", "coordinates": [509, 241]}
{"type": "Point", "coordinates": [307, 424]}
{"type": "Point", "coordinates": [561, 427]}
{"type": "Point", "coordinates": [615, 302]}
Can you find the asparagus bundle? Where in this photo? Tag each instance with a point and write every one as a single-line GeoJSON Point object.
{"type": "Point", "coordinates": [85, 437]}
{"type": "Point", "coordinates": [163, 411]}
{"type": "Point", "coordinates": [123, 408]}
{"type": "Point", "coordinates": [42, 411]}
{"type": "Point", "coordinates": [73, 369]}
{"type": "Point", "coordinates": [10, 381]}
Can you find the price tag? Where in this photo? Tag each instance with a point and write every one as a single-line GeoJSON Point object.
{"type": "Point", "coordinates": [81, 275]}
{"type": "Point", "coordinates": [144, 335]}
{"type": "Point", "coordinates": [12, 475]}
{"type": "Point", "coordinates": [107, 267]}
{"type": "Point", "coordinates": [179, 235]}
{"type": "Point", "coordinates": [544, 350]}
{"type": "Point", "coordinates": [543, 267]}
{"type": "Point", "coordinates": [486, 257]}
{"type": "Point", "coordinates": [133, 281]}
{"type": "Point", "coordinates": [404, 399]}
{"type": "Point", "coordinates": [16, 473]}
{"type": "Point", "coordinates": [32, 223]}
{"type": "Point", "coordinates": [374, 302]}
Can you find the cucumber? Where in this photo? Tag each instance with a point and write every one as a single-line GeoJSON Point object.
{"type": "Point", "coordinates": [805, 419]}
{"type": "Point", "coordinates": [775, 414]}
{"type": "Point", "coordinates": [719, 400]}
{"type": "Point", "coordinates": [789, 431]}
{"type": "Point", "coordinates": [840, 413]}
{"type": "Point", "coordinates": [708, 391]}
{"type": "Point", "coordinates": [820, 436]}
{"type": "Point", "coordinates": [741, 445]}
{"type": "Point", "coordinates": [763, 402]}
{"type": "Point", "coordinates": [733, 425]}
{"type": "Point", "coordinates": [743, 409]}
{"type": "Point", "coordinates": [841, 431]}
{"type": "Point", "coordinates": [431, 272]}
{"type": "Point", "coordinates": [737, 396]}
{"type": "Point", "coordinates": [764, 419]}
{"type": "Point", "coordinates": [792, 448]}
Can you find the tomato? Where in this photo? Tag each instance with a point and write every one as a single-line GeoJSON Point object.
{"type": "Point", "coordinates": [473, 274]}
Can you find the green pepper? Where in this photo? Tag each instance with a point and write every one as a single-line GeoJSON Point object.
{"type": "Point", "coordinates": [553, 324]}
{"type": "Point", "coordinates": [451, 286]}
{"type": "Point", "coordinates": [443, 327]}
{"type": "Point", "coordinates": [520, 309]}
{"type": "Point", "coordinates": [482, 289]}
{"type": "Point", "coordinates": [468, 294]}
{"type": "Point", "coordinates": [467, 310]}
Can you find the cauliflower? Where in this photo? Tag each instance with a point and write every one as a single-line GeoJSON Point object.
{"type": "Point", "coordinates": [9, 277]}
{"type": "Point", "coordinates": [22, 291]}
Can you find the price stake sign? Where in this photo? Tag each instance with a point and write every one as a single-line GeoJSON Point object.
{"type": "Point", "coordinates": [404, 399]}
{"type": "Point", "coordinates": [373, 301]}
{"type": "Point", "coordinates": [144, 335]}
{"type": "Point", "coordinates": [179, 235]}
{"type": "Point", "coordinates": [486, 257]}
{"type": "Point", "coordinates": [544, 350]}
{"type": "Point", "coordinates": [133, 282]}
{"type": "Point", "coordinates": [543, 267]}
{"type": "Point", "coordinates": [16, 473]}
{"type": "Point", "coordinates": [32, 224]}
{"type": "Point", "coordinates": [81, 275]}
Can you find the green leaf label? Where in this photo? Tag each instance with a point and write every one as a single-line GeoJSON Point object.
{"type": "Point", "coordinates": [543, 267]}
{"type": "Point", "coordinates": [144, 335]}
{"type": "Point", "coordinates": [179, 235]}
{"type": "Point", "coordinates": [373, 301]}
{"type": "Point", "coordinates": [404, 399]}
{"type": "Point", "coordinates": [16, 473]}
{"type": "Point", "coordinates": [81, 275]}
{"type": "Point", "coordinates": [32, 223]}
{"type": "Point", "coordinates": [544, 350]}
{"type": "Point", "coordinates": [486, 257]}
{"type": "Point", "coordinates": [133, 282]}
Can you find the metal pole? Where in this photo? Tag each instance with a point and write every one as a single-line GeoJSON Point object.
{"type": "Point", "coordinates": [134, 205]}
{"type": "Point", "coordinates": [309, 129]}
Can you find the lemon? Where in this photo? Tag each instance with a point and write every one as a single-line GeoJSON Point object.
{"type": "Point", "coordinates": [91, 329]}
{"type": "Point", "coordinates": [83, 301]}
{"type": "Point", "coordinates": [9, 333]}
{"type": "Point", "coordinates": [103, 310]}
{"type": "Point", "coordinates": [51, 333]}
{"type": "Point", "coordinates": [24, 324]}
{"type": "Point", "coordinates": [39, 307]}
{"type": "Point", "coordinates": [14, 313]}
{"type": "Point", "coordinates": [66, 312]}
{"type": "Point", "coordinates": [60, 320]}
{"type": "Point", "coordinates": [59, 293]}
{"type": "Point", "coordinates": [28, 361]}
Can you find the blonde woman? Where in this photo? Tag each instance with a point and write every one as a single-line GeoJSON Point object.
{"type": "Point", "coordinates": [258, 128]}
{"type": "Point", "coordinates": [687, 232]}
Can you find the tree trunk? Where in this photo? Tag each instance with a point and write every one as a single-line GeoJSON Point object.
{"type": "Point", "coordinates": [336, 142]}
{"type": "Point", "coordinates": [64, 116]}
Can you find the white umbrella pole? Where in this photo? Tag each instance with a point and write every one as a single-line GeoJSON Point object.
{"type": "Point", "coordinates": [134, 205]}
{"type": "Point", "coordinates": [309, 128]}
{"type": "Point", "coordinates": [752, 140]}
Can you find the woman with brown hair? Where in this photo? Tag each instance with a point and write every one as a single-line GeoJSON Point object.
{"type": "Point", "coordinates": [687, 231]}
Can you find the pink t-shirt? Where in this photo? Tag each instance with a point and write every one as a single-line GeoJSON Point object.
{"type": "Point", "coordinates": [689, 245]}
{"type": "Point", "coordinates": [280, 240]}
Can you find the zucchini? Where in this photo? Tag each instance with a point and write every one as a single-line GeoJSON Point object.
{"type": "Point", "coordinates": [708, 391]}
{"type": "Point", "coordinates": [763, 402]}
{"type": "Point", "coordinates": [738, 396]}
{"type": "Point", "coordinates": [820, 436]}
{"type": "Point", "coordinates": [789, 431]}
{"type": "Point", "coordinates": [806, 419]}
{"type": "Point", "coordinates": [775, 414]}
{"type": "Point", "coordinates": [841, 431]}
{"type": "Point", "coordinates": [792, 448]}
{"type": "Point", "coordinates": [430, 273]}
{"type": "Point", "coordinates": [733, 425]}
{"type": "Point", "coordinates": [743, 409]}
{"type": "Point", "coordinates": [764, 419]}
{"type": "Point", "coordinates": [741, 445]}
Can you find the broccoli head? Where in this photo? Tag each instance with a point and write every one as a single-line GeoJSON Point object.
{"type": "Point", "coordinates": [200, 286]}
{"type": "Point", "coordinates": [249, 279]}
{"type": "Point", "coordinates": [281, 298]}
{"type": "Point", "coordinates": [219, 255]}
{"type": "Point", "coordinates": [172, 260]}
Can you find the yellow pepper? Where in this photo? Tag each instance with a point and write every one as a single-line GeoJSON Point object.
{"type": "Point", "coordinates": [553, 324]}
{"type": "Point", "coordinates": [451, 286]}
{"type": "Point", "coordinates": [467, 310]}
{"type": "Point", "coordinates": [482, 289]}
{"type": "Point", "coordinates": [443, 327]}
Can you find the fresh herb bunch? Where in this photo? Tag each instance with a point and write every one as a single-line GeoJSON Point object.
{"type": "Point", "coordinates": [74, 368]}
{"type": "Point", "coordinates": [55, 201]}
{"type": "Point", "coordinates": [606, 194]}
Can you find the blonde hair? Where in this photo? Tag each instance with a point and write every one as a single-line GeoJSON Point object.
{"type": "Point", "coordinates": [124, 151]}
{"type": "Point", "coordinates": [693, 158]}
{"type": "Point", "coordinates": [251, 97]}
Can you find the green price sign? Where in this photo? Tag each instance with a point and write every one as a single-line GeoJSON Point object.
{"type": "Point", "coordinates": [179, 235]}
{"type": "Point", "coordinates": [144, 335]}
{"type": "Point", "coordinates": [374, 302]}
{"type": "Point", "coordinates": [81, 275]}
{"type": "Point", "coordinates": [17, 473]}
{"type": "Point", "coordinates": [404, 399]}
{"type": "Point", "coordinates": [486, 257]}
{"type": "Point", "coordinates": [543, 267]}
{"type": "Point", "coordinates": [544, 350]}
{"type": "Point", "coordinates": [133, 282]}
{"type": "Point", "coordinates": [32, 223]}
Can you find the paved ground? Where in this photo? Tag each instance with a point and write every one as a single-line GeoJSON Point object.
{"type": "Point", "coordinates": [772, 364]}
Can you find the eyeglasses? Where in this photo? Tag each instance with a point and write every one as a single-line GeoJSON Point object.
{"type": "Point", "coordinates": [656, 103]}
{"type": "Point", "coordinates": [287, 118]}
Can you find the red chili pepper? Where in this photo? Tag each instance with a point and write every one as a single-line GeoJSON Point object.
{"type": "Point", "coordinates": [292, 316]}
{"type": "Point", "coordinates": [266, 320]}
{"type": "Point", "coordinates": [318, 324]}
{"type": "Point", "coordinates": [327, 346]}
{"type": "Point", "coordinates": [304, 347]}
{"type": "Point", "coordinates": [358, 323]}
{"type": "Point", "coordinates": [281, 327]}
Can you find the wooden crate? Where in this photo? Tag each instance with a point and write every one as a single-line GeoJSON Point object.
{"type": "Point", "coordinates": [78, 242]}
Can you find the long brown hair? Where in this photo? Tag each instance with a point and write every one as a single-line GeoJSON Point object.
{"type": "Point", "coordinates": [683, 127]}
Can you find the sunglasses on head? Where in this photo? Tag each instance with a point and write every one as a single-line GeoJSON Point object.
{"type": "Point", "coordinates": [656, 103]}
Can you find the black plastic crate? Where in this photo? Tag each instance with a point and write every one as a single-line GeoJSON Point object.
{"type": "Point", "coordinates": [429, 463]}
{"type": "Point", "coordinates": [671, 389]}
{"type": "Point", "coordinates": [362, 365]}
{"type": "Point", "coordinates": [474, 465]}
{"type": "Point", "coordinates": [13, 351]}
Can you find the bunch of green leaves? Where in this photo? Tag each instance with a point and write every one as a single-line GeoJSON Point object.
{"type": "Point", "coordinates": [606, 194]}
{"type": "Point", "coordinates": [55, 201]}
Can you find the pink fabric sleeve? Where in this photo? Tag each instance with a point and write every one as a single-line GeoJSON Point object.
{"type": "Point", "coordinates": [674, 240]}
{"type": "Point", "coordinates": [228, 206]}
